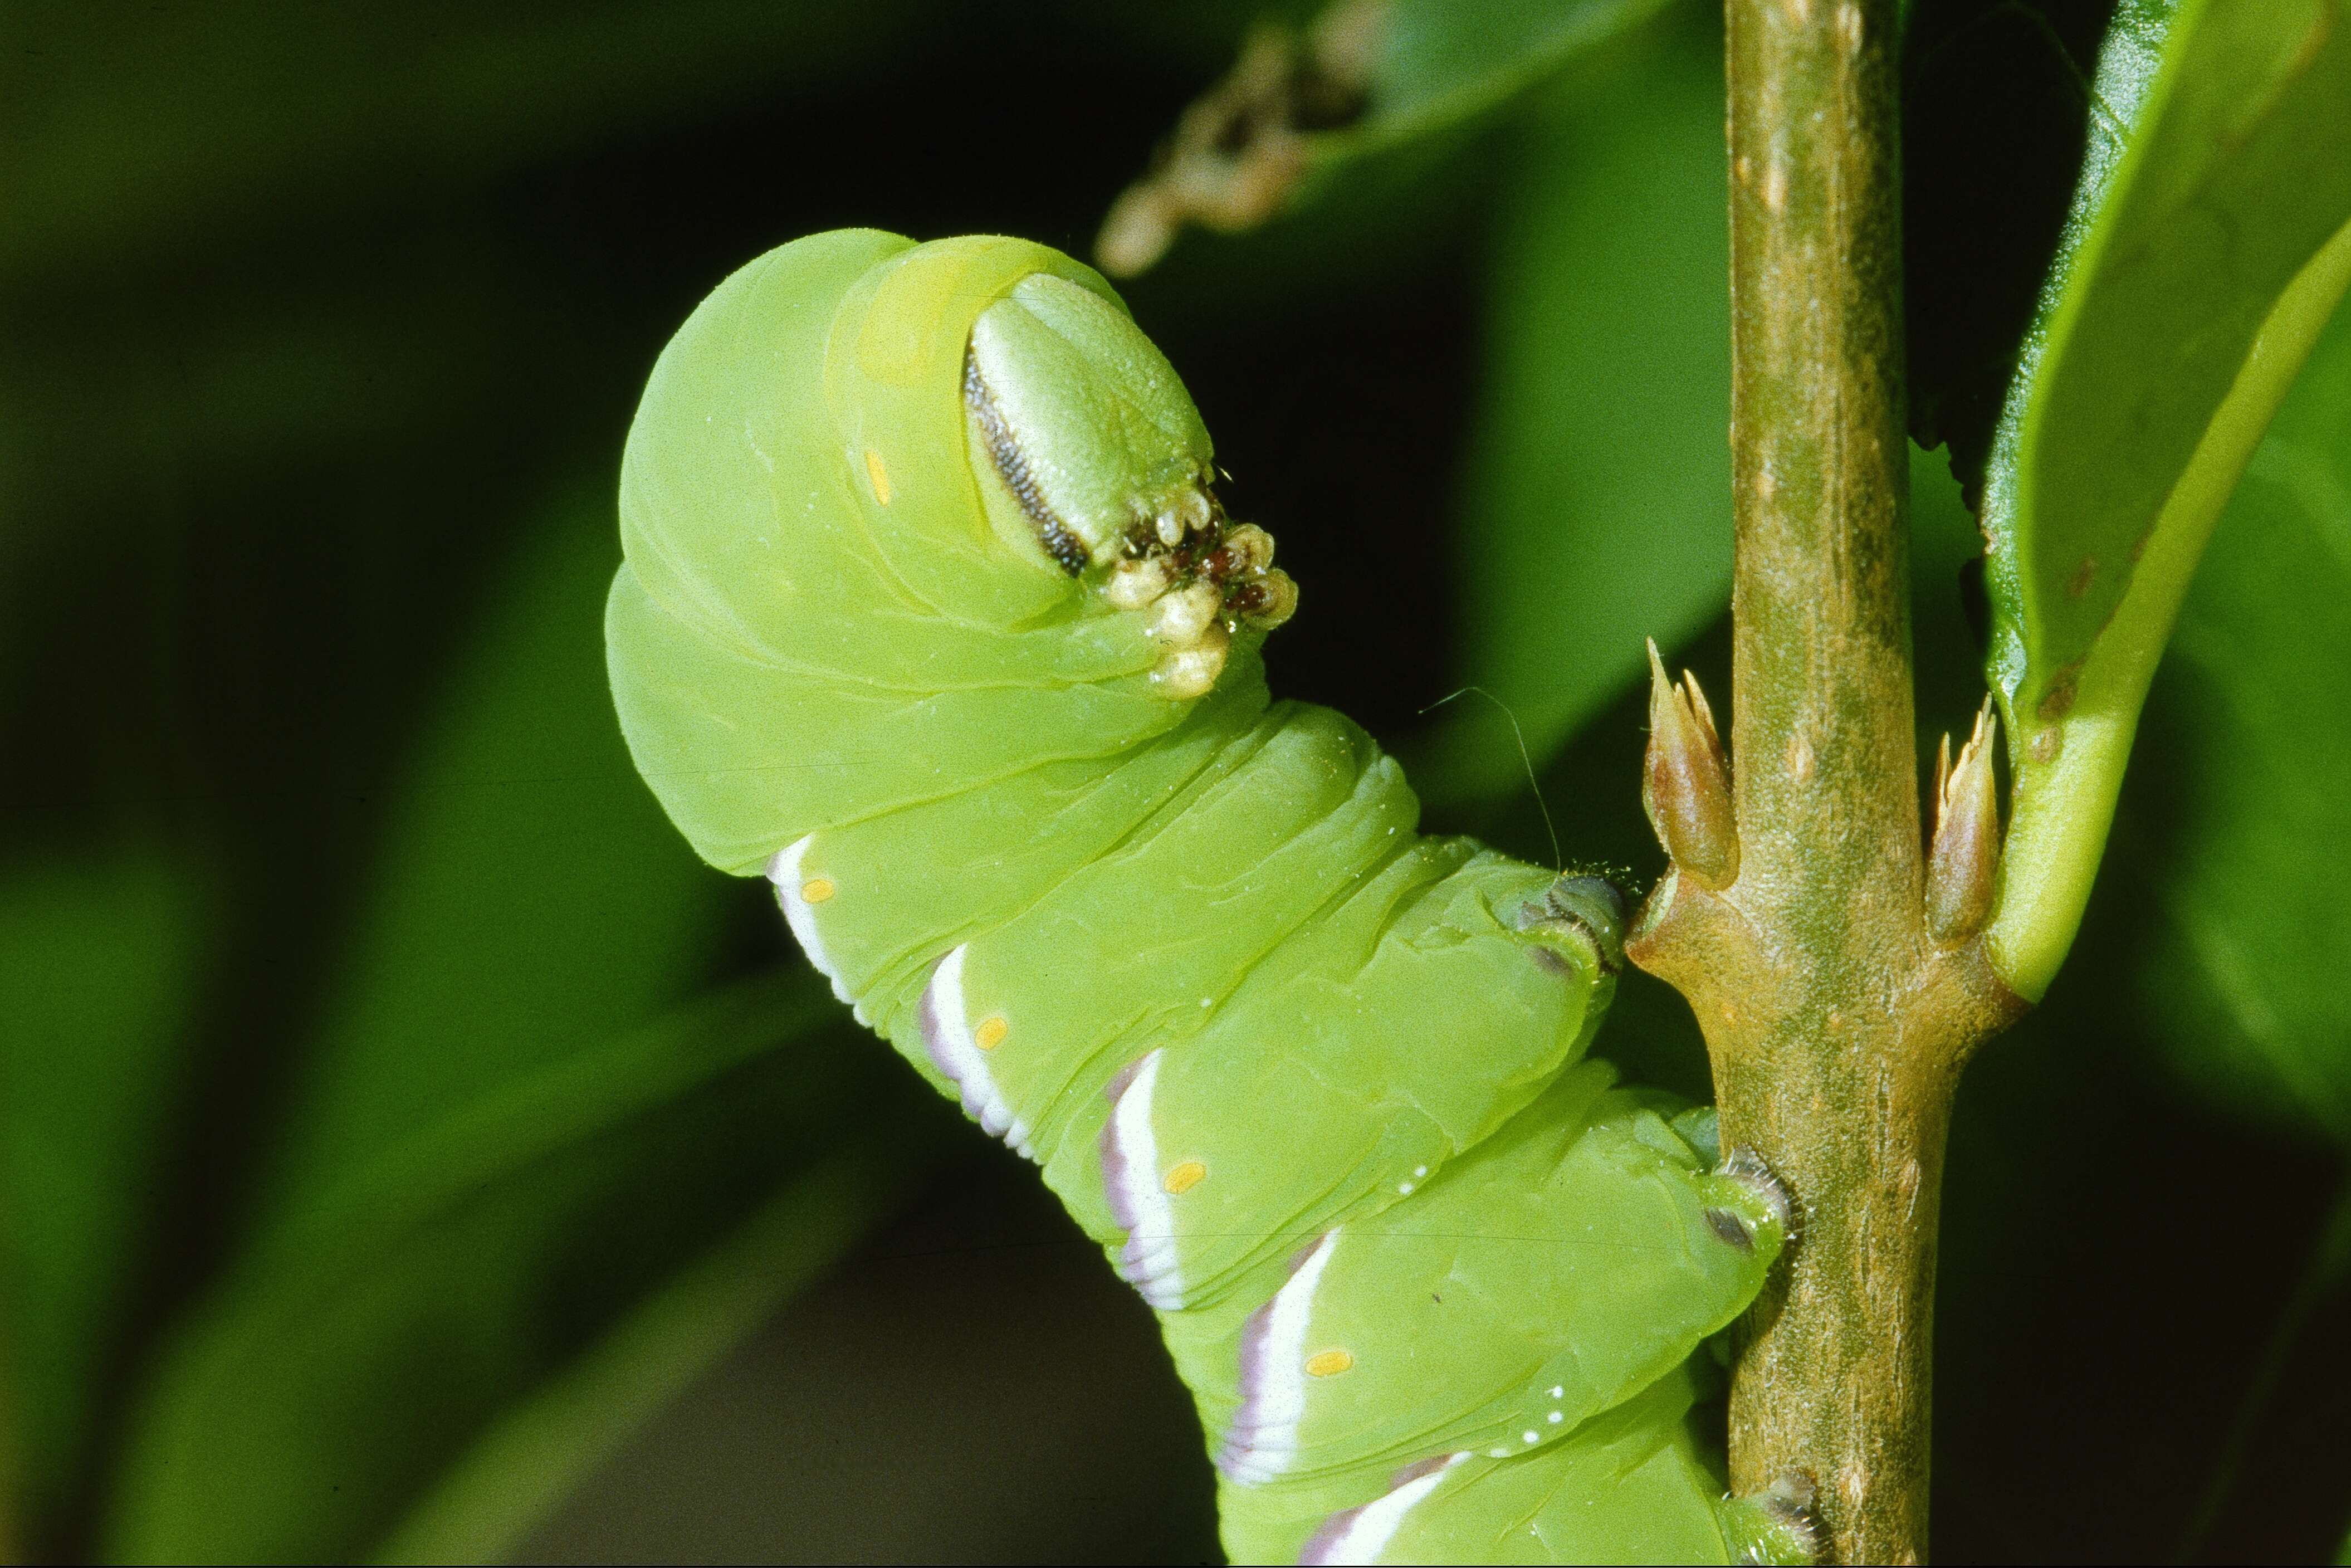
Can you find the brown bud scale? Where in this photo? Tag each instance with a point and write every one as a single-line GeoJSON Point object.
{"type": "Point", "coordinates": [1686, 780]}
{"type": "Point", "coordinates": [1964, 859]}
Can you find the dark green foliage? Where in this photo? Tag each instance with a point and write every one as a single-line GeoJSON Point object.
{"type": "Point", "coordinates": [2248, 812]}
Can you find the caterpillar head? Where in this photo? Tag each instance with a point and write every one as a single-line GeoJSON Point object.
{"type": "Point", "coordinates": [1089, 449]}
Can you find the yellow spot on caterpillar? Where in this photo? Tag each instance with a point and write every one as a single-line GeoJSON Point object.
{"type": "Point", "coordinates": [1186, 1177]}
{"type": "Point", "coordinates": [878, 474]}
{"type": "Point", "coordinates": [990, 1034]}
{"type": "Point", "coordinates": [817, 889]}
{"type": "Point", "coordinates": [1328, 1363]}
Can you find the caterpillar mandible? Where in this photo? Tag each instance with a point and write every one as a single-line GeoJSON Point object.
{"type": "Point", "coordinates": [931, 614]}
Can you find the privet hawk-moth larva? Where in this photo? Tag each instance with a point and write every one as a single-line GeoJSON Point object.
{"type": "Point", "coordinates": [930, 613]}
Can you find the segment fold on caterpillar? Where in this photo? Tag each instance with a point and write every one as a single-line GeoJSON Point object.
{"type": "Point", "coordinates": [931, 614]}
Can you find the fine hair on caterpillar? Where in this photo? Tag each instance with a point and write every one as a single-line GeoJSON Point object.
{"type": "Point", "coordinates": [1526, 761]}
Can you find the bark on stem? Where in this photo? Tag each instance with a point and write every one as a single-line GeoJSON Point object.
{"type": "Point", "coordinates": [1836, 1022]}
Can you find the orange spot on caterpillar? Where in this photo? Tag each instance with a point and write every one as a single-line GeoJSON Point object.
{"type": "Point", "coordinates": [878, 474]}
{"type": "Point", "coordinates": [1328, 1363]}
{"type": "Point", "coordinates": [817, 889]}
{"type": "Point", "coordinates": [990, 1034]}
{"type": "Point", "coordinates": [1185, 1176]}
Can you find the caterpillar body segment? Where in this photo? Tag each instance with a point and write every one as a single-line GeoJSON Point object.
{"type": "Point", "coordinates": [930, 614]}
{"type": "Point", "coordinates": [1633, 1486]}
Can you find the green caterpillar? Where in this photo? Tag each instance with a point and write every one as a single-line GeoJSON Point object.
{"type": "Point", "coordinates": [930, 613]}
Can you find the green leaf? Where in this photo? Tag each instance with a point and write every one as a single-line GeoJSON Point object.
{"type": "Point", "coordinates": [530, 900]}
{"type": "Point", "coordinates": [97, 965]}
{"type": "Point", "coordinates": [1442, 62]}
{"type": "Point", "coordinates": [2233, 842]}
{"type": "Point", "coordinates": [1595, 504]}
{"type": "Point", "coordinates": [482, 1175]}
{"type": "Point", "coordinates": [1347, 140]}
{"type": "Point", "coordinates": [537, 1455]}
{"type": "Point", "coordinates": [2235, 170]}
{"type": "Point", "coordinates": [2239, 835]}
{"type": "Point", "coordinates": [2207, 246]}
{"type": "Point", "coordinates": [361, 1374]}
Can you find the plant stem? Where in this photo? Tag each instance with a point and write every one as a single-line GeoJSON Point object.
{"type": "Point", "coordinates": [1837, 1024]}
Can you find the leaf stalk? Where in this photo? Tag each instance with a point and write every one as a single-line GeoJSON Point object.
{"type": "Point", "coordinates": [2067, 772]}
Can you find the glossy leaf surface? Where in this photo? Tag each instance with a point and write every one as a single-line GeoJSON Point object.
{"type": "Point", "coordinates": [2218, 178]}
{"type": "Point", "coordinates": [2234, 169]}
{"type": "Point", "coordinates": [2237, 837]}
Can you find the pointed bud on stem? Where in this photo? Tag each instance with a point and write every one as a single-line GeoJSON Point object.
{"type": "Point", "coordinates": [1965, 854]}
{"type": "Point", "coordinates": [1685, 781]}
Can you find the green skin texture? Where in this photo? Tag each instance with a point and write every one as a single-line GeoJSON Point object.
{"type": "Point", "coordinates": [841, 656]}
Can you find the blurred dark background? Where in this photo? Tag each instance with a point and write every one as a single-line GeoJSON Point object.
{"type": "Point", "coordinates": [377, 1182]}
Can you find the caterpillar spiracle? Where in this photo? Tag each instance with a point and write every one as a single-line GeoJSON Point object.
{"type": "Point", "coordinates": [930, 613]}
